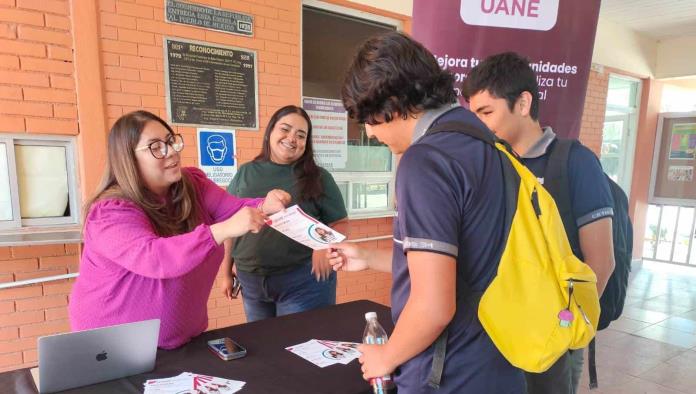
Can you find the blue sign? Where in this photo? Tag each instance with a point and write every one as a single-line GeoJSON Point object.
{"type": "Point", "coordinates": [217, 149]}
{"type": "Point", "coordinates": [216, 154]}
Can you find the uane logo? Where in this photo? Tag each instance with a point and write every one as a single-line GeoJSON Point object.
{"type": "Point", "coordinates": [101, 356]}
{"type": "Point", "coordinates": [514, 14]}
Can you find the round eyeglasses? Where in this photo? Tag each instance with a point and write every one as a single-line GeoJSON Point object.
{"type": "Point", "coordinates": [159, 148]}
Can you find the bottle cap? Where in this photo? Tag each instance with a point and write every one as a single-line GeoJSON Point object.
{"type": "Point", "coordinates": [370, 315]}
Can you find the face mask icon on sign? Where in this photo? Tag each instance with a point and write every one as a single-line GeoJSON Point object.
{"type": "Point", "coordinates": [216, 148]}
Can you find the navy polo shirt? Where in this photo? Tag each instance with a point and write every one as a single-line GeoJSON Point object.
{"type": "Point", "coordinates": [450, 200]}
{"type": "Point", "coordinates": [590, 195]}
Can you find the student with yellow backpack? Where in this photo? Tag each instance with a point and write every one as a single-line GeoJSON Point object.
{"type": "Point", "coordinates": [502, 91]}
{"type": "Point", "coordinates": [484, 279]}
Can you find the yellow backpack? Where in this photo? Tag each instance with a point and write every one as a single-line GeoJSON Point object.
{"type": "Point", "coordinates": [543, 300]}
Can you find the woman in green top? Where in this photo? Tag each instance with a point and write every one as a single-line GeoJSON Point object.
{"type": "Point", "coordinates": [278, 275]}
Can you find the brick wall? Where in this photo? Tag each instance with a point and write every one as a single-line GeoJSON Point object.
{"type": "Point", "coordinates": [132, 56]}
{"type": "Point", "coordinates": [37, 95]}
{"type": "Point", "coordinates": [36, 72]}
{"type": "Point", "coordinates": [32, 311]}
{"type": "Point", "coordinates": [595, 106]}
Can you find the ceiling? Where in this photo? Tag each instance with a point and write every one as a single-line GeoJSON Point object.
{"type": "Point", "coordinates": [659, 19]}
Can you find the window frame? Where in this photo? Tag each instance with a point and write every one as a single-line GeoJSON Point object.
{"type": "Point", "coordinates": [353, 178]}
{"type": "Point", "coordinates": [18, 224]}
{"type": "Point", "coordinates": [630, 112]}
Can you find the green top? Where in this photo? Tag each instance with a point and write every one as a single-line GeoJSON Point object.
{"type": "Point", "coordinates": [269, 252]}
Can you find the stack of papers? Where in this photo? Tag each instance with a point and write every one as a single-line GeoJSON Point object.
{"type": "Point", "coordinates": [322, 353]}
{"type": "Point", "coordinates": [191, 383]}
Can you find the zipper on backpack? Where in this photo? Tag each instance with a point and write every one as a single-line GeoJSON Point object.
{"type": "Point", "coordinates": [535, 203]}
{"type": "Point", "coordinates": [570, 295]}
{"type": "Point", "coordinates": [566, 316]}
{"type": "Point", "coordinates": [582, 312]}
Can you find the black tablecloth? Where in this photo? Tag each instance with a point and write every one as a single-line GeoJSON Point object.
{"type": "Point", "coordinates": [267, 368]}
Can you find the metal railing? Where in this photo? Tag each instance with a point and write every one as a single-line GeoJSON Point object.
{"type": "Point", "coordinates": [54, 278]}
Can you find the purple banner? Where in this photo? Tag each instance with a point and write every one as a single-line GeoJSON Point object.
{"type": "Point", "coordinates": [557, 37]}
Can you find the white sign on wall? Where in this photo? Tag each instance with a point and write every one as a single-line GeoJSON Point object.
{"type": "Point", "coordinates": [329, 131]}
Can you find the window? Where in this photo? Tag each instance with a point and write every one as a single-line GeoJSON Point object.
{"type": "Point", "coordinates": [619, 133]}
{"type": "Point", "coordinates": [330, 36]}
{"type": "Point", "coordinates": [38, 185]}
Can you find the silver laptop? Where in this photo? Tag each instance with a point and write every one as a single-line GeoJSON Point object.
{"type": "Point", "coordinates": [86, 357]}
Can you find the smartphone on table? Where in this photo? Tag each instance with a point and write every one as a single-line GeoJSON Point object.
{"type": "Point", "coordinates": [226, 348]}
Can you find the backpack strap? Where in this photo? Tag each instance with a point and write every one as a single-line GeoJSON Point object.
{"type": "Point", "coordinates": [440, 344]}
{"type": "Point", "coordinates": [557, 182]}
{"type": "Point", "coordinates": [464, 128]}
{"type": "Point", "coordinates": [592, 365]}
{"type": "Point", "coordinates": [440, 350]}
{"type": "Point", "coordinates": [512, 183]}
{"type": "Point", "coordinates": [439, 353]}
{"type": "Point", "coordinates": [472, 131]}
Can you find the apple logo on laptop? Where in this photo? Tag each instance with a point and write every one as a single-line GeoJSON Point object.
{"type": "Point", "coordinates": [101, 356]}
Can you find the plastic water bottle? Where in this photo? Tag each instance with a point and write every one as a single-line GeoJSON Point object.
{"type": "Point", "coordinates": [375, 335]}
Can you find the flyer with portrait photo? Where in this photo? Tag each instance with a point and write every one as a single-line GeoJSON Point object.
{"type": "Point", "coordinates": [294, 223]}
{"type": "Point", "coordinates": [323, 353]}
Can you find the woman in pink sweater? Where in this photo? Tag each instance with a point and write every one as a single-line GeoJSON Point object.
{"type": "Point", "coordinates": [153, 234]}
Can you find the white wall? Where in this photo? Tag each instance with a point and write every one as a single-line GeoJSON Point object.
{"type": "Point", "coordinates": [676, 57]}
{"type": "Point", "coordinates": [678, 97]}
{"type": "Point", "coordinates": [622, 48]}
{"type": "Point", "coordinates": [404, 7]}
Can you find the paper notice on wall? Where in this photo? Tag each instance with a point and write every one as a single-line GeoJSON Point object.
{"type": "Point", "coordinates": [683, 143]}
{"type": "Point", "coordinates": [680, 173]}
{"type": "Point", "coordinates": [329, 131]}
{"type": "Point", "coordinates": [294, 223]}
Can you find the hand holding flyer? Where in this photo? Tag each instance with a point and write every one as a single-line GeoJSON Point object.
{"type": "Point", "coordinates": [293, 222]}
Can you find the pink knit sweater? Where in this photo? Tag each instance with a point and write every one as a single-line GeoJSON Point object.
{"type": "Point", "coordinates": [128, 273]}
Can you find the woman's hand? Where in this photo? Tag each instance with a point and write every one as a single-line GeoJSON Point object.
{"type": "Point", "coordinates": [276, 200]}
{"type": "Point", "coordinates": [245, 220]}
{"type": "Point", "coordinates": [228, 285]}
{"type": "Point", "coordinates": [320, 265]}
{"type": "Point", "coordinates": [348, 256]}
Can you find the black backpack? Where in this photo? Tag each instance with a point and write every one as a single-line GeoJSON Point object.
{"type": "Point", "coordinates": [556, 181]}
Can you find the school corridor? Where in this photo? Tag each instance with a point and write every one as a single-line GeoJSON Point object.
{"type": "Point", "coordinates": [651, 349]}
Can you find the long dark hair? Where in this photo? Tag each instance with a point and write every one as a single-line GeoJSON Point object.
{"type": "Point", "coordinates": [121, 179]}
{"type": "Point", "coordinates": [306, 169]}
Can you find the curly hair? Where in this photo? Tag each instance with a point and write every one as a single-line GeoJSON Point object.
{"type": "Point", "coordinates": [505, 75]}
{"type": "Point", "coordinates": [394, 74]}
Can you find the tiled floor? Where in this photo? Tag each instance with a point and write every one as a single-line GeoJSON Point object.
{"type": "Point", "coordinates": [652, 347]}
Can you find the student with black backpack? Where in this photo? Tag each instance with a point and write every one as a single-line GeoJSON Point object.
{"type": "Point", "coordinates": [556, 181]}
{"type": "Point", "coordinates": [503, 92]}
